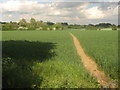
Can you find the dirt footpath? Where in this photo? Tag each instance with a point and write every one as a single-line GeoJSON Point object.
{"type": "Point", "coordinates": [91, 66]}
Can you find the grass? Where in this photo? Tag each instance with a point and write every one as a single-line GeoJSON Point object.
{"type": "Point", "coordinates": [43, 59]}
{"type": "Point", "coordinates": [103, 47]}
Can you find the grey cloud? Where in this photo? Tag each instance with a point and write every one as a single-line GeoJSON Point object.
{"type": "Point", "coordinates": [69, 4]}
{"type": "Point", "coordinates": [107, 5]}
{"type": "Point", "coordinates": [69, 12]}
{"type": "Point", "coordinates": [88, 0]}
{"type": "Point", "coordinates": [14, 12]}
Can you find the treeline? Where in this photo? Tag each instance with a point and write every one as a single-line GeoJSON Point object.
{"type": "Point", "coordinates": [94, 27]}
{"type": "Point", "coordinates": [40, 25]}
{"type": "Point", "coordinates": [32, 25]}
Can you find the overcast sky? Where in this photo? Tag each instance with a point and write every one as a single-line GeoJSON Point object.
{"type": "Point", "coordinates": [77, 12]}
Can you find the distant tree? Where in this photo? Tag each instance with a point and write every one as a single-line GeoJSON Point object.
{"type": "Point", "coordinates": [104, 25]}
{"type": "Point", "coordinates": [50, 23]}
{"type": "Point", "coordinates": [65, 24]}
{"type": "Point", "coordinates": [75, 26]}
{"type": "Point", "coordinates": [6, 27]}
{"type": "Point", "coordinates": [22, 23]}
{"type": "Point", "coordinates": [44, 26]}
{"type": "Point", "coordinates": [114, 27]}
{"type": "Point", "coordinates": [58, 26]}
{"type": "Point", "coordinates": [32, 24]}
{"type": "Point", "coordinates": [118, 26]}
{"type": "Point", "coordinates": [3, 22]}
{"type": "Point", "coordinates": [10, 26]}
{"type": "Point", "coordinates": [90, 28]}
{"type": "Point", "coordinates": [91, 25]}
{"type": "Point", "coordinates": [41, 21]}
{"type": "Point", "coordinates": [14, 25]}
{"type": "Point", "coordinates": [41, 25]}
{"type": "Point", "coordinates": [32, 21]}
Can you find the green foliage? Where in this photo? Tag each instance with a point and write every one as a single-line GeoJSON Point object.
{"type": "Point", "coordinates": [33, 24]}
{"type": "Point", "coordinates": [32, 21]}
{"type": "Point", "coordinates": [10, 26]}
{"type": "Point", "coordinates": [57, 26]}
{"type": "Point", "coordinates": [104, 25]}
{"type": "Point", "coordinates": [40, 25]}
{"type": "Point", "coordinates": [90, 28]}
{"type": "Point", "coordinates": [114, 27]}
{"type": "Point", "coordinates": [17, 66]}
{"type": "Point", "coordinates": [50, 23]}
{"type": "Point", "coordinates": [22, 23]}
{"type": "Point", "coordinates": [18, 74]}
{"type": "Point", "coordinates": [75, 26]}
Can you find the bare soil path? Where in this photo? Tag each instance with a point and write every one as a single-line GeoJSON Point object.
{"type": "Point", "coordinates": [91, 66]}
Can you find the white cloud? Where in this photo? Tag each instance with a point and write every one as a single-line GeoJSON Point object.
{"type": "Point", "coordinates": [93, 13]}
{"type": "Point", "coordinates": [20, 5]}
{"type": "Point", "coordinates": [11, 5]}
{"type": "Point", "coordinates": [112, 11]}
{"type": "Point", "coordinates": [57, 12]}
{"type": "Point", "coordinates": [83, 6]}
{"type": "Point", "coordinates": [96, 13]}
{"type": "Point", "coordinates": [85, 0]}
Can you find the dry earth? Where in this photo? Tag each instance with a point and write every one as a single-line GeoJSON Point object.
{"type": "Point", "coordinates": [91, 66]}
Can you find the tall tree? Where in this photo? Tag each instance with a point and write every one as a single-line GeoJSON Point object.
{"type": "Point", "coordinates": [22, 23]}
{"type": "Point", "coordinates": [33, 23]}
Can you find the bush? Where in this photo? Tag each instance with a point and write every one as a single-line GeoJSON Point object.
{"type": "Point", "coordinates": [90, 28]}
{"type": "Point", "coordinates": [114, 28]}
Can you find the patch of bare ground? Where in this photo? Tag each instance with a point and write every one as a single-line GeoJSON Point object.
{"type": "Point", "coordinates": [91, 66]}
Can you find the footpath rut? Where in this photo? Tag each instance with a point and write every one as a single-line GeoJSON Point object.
{"type": "Point", "coordinates": [91, 66]}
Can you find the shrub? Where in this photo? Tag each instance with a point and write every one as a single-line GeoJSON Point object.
{"type": "Point", "coordinates": [114, 28]}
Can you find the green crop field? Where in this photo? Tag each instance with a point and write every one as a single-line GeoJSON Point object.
{"type": "Point", "coordinates": [43, 59]}
{"type": "Point", "coordinates": [49, 44]}
{"type": "Point", "coordinates": [103, 47]}
{"type": "Point", "coordinates": [48, 59]}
